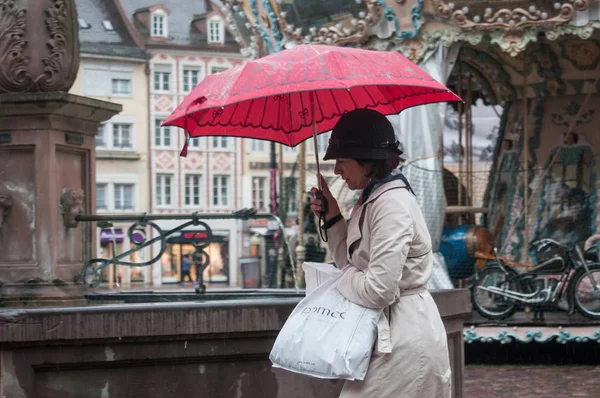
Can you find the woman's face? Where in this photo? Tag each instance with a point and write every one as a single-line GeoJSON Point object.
{"type": "Point", "coordinates": [354, 173]}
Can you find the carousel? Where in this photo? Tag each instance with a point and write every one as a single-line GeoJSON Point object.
{"type": "Point", "coordinates": [536, 62]}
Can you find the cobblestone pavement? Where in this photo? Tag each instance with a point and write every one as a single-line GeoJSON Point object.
{"type": "Point", "coordinates": [482, 381]}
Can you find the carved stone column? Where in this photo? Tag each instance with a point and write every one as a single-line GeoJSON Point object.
{"type": "Point", "coordinates": [47, 150]}
{"type": "Point", "coordinates": [47, 178]}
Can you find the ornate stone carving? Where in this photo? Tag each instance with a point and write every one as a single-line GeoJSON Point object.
{"type": "Point", "coordinates": [71, 205]}
{"type": "Point", "coordinates": [5, 206]}
{"type": "Point", "coordinates": [38, 57]}
{"type": "Point", "coordinates": [14, 63]}
{"type": "Point", "coordinates": [62, 26]}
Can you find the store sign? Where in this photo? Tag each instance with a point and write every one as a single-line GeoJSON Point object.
{"type": "Point", "coordinates": [195, 236]}
{"type": "Point", "coordinates": [110, 235]}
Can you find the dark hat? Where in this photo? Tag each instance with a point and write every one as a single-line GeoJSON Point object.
{"type": "Point", "coordinates": [362, 134]}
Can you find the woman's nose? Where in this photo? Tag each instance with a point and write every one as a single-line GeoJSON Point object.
{"type": "Point", "coordinates": [337, 170]}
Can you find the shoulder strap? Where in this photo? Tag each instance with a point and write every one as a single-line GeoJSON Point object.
{"type": "Point", "coordinates": [361, 220]}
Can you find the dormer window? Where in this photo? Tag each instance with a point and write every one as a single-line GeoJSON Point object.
{"type": "Point", "coordinates": [159, 24]}
{"type": "Point", "coordinates": [216, 30]}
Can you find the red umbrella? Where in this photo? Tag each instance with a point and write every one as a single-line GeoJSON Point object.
{"type": "Point", "coordinates": [294, 94]}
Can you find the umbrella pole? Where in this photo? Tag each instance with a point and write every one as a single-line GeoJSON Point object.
{"type": "Point", "coordinates": [314, 125]}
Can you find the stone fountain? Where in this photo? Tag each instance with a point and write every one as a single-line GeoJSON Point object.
{"type": "Point", "coordinates": [56, 339]}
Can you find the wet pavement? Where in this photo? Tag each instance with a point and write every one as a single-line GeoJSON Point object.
{"type": "Point", "coordinates": [483, 381]}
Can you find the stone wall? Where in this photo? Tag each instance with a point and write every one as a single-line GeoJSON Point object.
{"type": "Point", "coordinates": [217, 349]}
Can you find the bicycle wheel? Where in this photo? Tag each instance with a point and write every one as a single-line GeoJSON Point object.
{"type": "Point", "coordinates": [584, 291]}
{"type": "Point", "coordinates": [489, 304]}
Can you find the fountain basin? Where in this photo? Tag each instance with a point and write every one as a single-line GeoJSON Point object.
{"type": "Point", "coordinates": [181, 348]}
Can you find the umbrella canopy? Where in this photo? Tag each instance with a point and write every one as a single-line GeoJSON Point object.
{"type": "Point", "coordinates": [291, 95]}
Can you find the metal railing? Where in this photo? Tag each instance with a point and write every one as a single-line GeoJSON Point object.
{"type": "Point", "coordinates": [91, 273]}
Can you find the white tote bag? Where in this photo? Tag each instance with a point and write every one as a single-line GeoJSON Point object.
{"type": "Point", "coordinates": [315, 274]}
{"type": "Point", "coordinates": [327, 336]}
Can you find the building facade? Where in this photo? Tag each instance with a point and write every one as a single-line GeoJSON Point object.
{"type": "Point", "coordinates": [187, 40]}
{"type": "Point", "coordinates": [113, 68]}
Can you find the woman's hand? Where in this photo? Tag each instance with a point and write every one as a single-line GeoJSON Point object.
{"type": "Point", "coordinates": [333, 208]}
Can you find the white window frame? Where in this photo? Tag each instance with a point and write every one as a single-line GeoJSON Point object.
{"type": "Point", "coordinates": [105, 208]}
{"type": "Point", "coordinates": [219, 140]}
{"type": "Point", "coordinates": [155, 188]}
{"type": "Point", "coordinates": [265, 192]}
{"type": "Point", "coordinates": [201, 188]}
{"type": "Point", "coordinates": [121, 81]}
{"type": "Point", "coordinates": [109, 131]}
{"type": "Point", "coordinates": [322, 143]}
{"type": "Point", "coordinates": [170, 129]}
{"type": "Point", "coordinates": [218, 35]}
{"type": "Point", "coordinates": [103, 75]}
{"type": "Point", "coordinates": [196, 143]}
{"type": "Point", "coordinates": [115, 186]}
{"type": "Point", "coordinates": [191, 68]}
{"type": "Point", "coordinates": [257, 146]}
{"type": "Point", "coordinates": [102, 132]}
{"type": "Point", "coordinates": [155, 17]}
{"type": "Point", "coordinates": [110, 180]}
{"type": "Point", "coordinates": [219, 186]}
{"type": "Point", "coordinates": [162, 68]}
{"type": "Point", "coordinates": [211, 66]}
{"type": "Point", "coordinates": [117, 133]}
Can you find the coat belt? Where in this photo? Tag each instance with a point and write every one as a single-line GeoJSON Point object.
{"type": "Point", "coordinates": [384, 338]}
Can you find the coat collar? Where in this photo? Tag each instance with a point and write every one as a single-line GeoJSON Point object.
{"type": "Point", "coordinates": [354, 230]}
{"type": "Point", "coordinates": [394, 184]}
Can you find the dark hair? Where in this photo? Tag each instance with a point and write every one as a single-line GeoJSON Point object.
{"type": "Point", "coordinates": [381, 168]}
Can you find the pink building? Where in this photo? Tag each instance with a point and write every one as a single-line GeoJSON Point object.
{"type": "Point", "coordinates": [186, 40]}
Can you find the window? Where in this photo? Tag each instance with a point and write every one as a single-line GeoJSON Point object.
{"type": "Point", "coordinates": [195, 143]}
{"type": "Point", "coordinates": [159, 24]}
{"type": "Point", "coordinates": [117, 133]}
{"type": "Point", "coordinates": [118, 196]}
{"type": "Point", "coordinates": [192, 189]}
{"type": "Point", "coordinates": [257, 146]}
{"type": "Point", "coordinates": [83, 23]}
{"type": "Point", "coordinates": [122, 135]}
{"type": "Point", "coordinates": [163, 189]}
{"type": "Point", "coordinates": [101, 136]}
{"type": "Point", "coordinates": [108, 25]}
{"type": "Point", "coordinates": [290, 149]}
{"type": "Point", "coordinates": [292, 199]}
{"type": "Point", "coordinates": [121, 86]}
{"type": "Point", "coordinates": [106, 80]}
{"type": "Point", "coordinates": [322, 142]}
{"type": "Point", "coordinates": [101, 197]}
{"type": "Point", "coordinates": [217, 69]}
{"type": "Point", "coordinates": [191, 77]}
{"type": "Point", "coordinates": [162, 135]}
{"type": "Point", "coordinates": [220, 142]}
{"type": "Point", "coordinates": [216, 31]}
{"type": "Point", "coordinates": [123, 196]}
{"type": "Point", "coordinates": [258, 192]}
{"type": "Point", "coordinates": [162, 78]}
{"type": "Point", "coordinates": [220, 191]}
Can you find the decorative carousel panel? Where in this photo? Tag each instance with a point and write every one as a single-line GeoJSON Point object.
{"type": "Point", "coordinates": [512, 24]}
{"type": "Point", "coordinates": [508, 14]}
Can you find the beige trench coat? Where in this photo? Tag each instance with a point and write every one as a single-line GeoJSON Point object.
{"type": "Point", "coordinates": [389, 267]}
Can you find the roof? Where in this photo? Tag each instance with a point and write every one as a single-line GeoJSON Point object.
{"type": "Point", "coordinates": [96, 39]}
{"type": "Point", "coordinates": [181, 31]}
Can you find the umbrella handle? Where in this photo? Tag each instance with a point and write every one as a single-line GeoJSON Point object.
{"type": "Point", "coordinates": [319, 195]}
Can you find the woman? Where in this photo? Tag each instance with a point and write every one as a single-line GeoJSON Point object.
{"type": "Point", "coordinates": [384, 251]}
